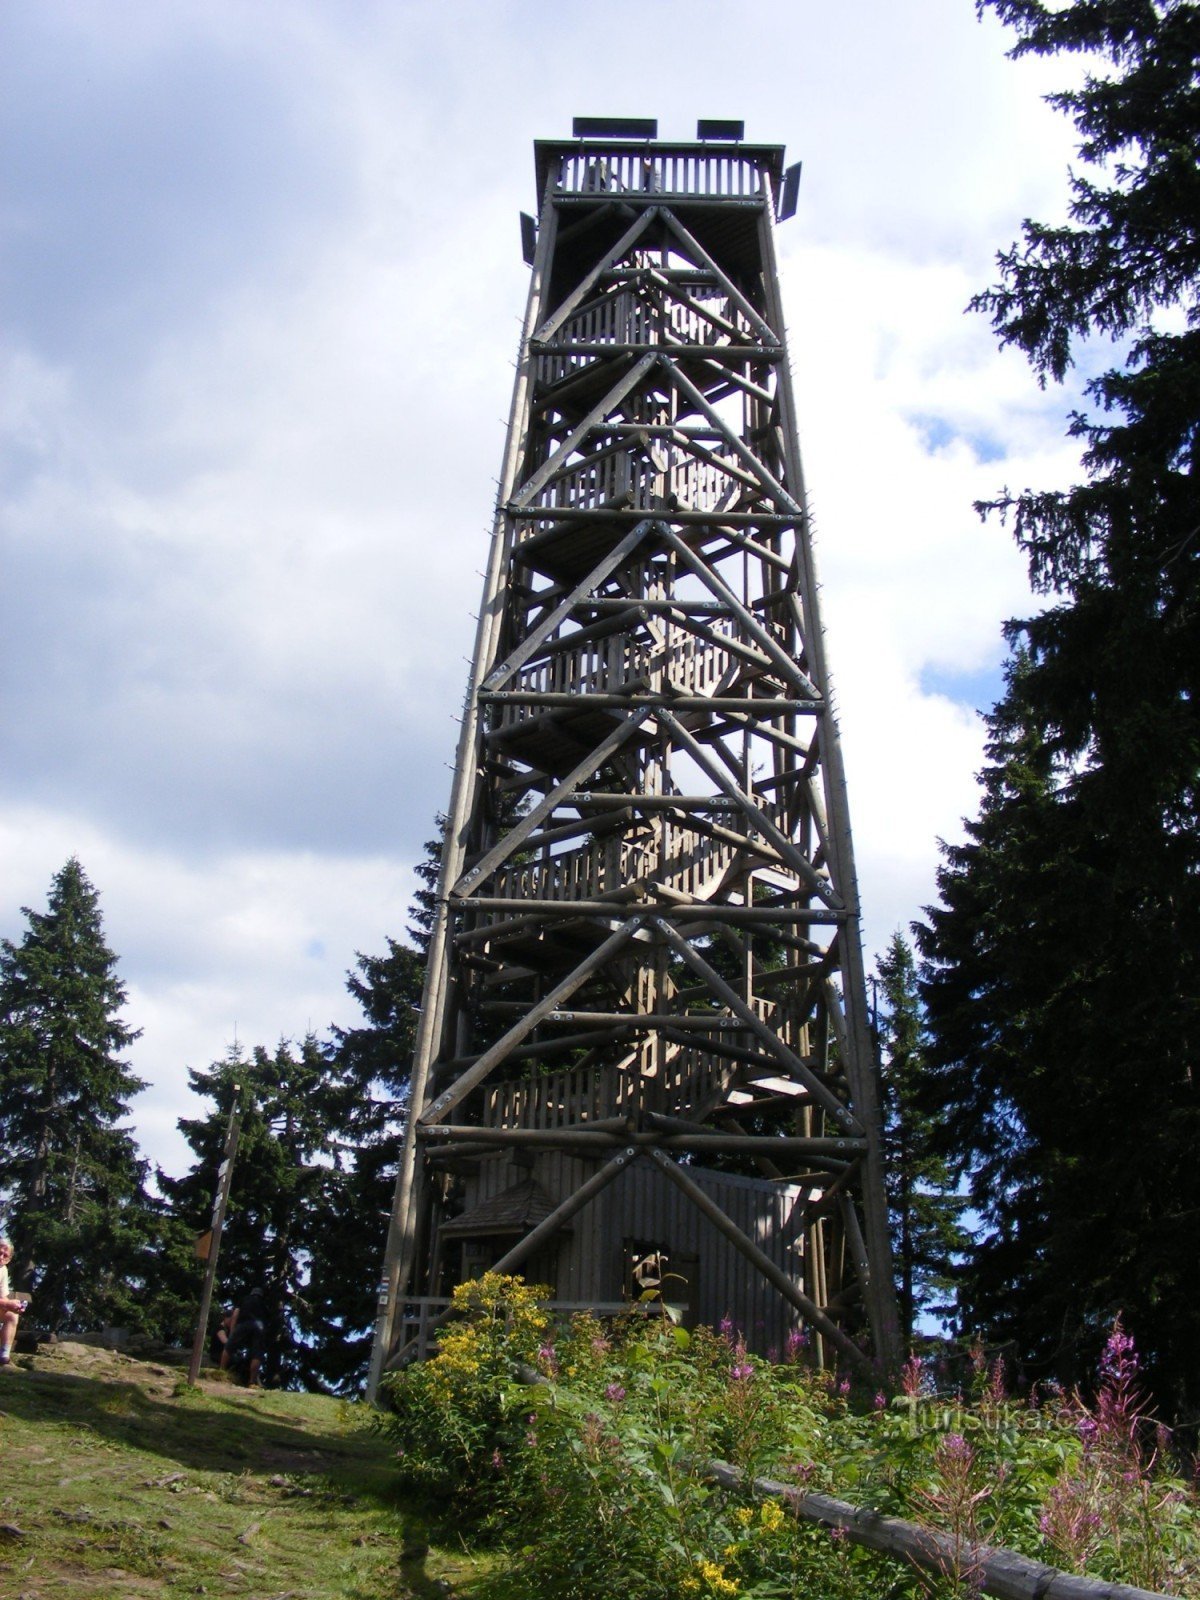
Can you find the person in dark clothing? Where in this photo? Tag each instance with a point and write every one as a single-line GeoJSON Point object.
{"type": "Point", "coordinates": [248, 1336]}
{"type": "Point", "coordinates": [220, 1336]}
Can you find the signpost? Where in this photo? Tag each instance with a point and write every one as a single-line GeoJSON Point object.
{"type": "Point", "coordinates": [211, 1239]}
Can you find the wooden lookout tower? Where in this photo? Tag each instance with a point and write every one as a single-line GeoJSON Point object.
{"type": "Point", "coordinates": [644, 1055]}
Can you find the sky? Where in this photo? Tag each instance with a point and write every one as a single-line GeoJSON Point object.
{"type": "Point", "coordinates": [262, 289]}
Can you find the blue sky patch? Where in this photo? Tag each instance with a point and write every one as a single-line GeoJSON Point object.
{"type": "Point", "coordinates": [979, 689]}
{"type": "Point", "coordinates": [937, 432]}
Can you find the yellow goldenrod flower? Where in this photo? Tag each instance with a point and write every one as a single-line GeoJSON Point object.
{"type": "Point", "coordinates": [771, 1516]}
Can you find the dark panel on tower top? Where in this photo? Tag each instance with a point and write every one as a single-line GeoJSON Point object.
{"type": "Point", "coordinates": [615, 128]}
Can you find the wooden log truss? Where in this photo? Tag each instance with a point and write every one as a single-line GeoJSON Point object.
{"type": "Point", "coordinates": [647, 888]}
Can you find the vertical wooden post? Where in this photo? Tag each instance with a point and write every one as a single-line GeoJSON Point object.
{"type": "Point", "coordinates": [224, 1181]}
{"type": "Point", "coordinates": [400, 1250]}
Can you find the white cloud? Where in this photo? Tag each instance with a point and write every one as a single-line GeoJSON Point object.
{"type": "Point", "coordinates": [234, 946]}
{"type": "Point", "coordinates": [269, 290]}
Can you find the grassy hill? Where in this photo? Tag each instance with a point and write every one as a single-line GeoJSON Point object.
{"type": "Point", "coordinates": [116, 1479]}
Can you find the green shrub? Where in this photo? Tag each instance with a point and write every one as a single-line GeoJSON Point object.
{"type": "Point", "coordinates": [452, 1418]}
{"type": "Point", "coordinates": [585, 1448]}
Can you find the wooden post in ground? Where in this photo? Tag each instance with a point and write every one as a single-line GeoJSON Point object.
{"type": "Point", "coordinates": [224, 1180]}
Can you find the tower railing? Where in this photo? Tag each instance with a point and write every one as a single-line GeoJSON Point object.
{"type": "Point", "coordinates": [666, 172]}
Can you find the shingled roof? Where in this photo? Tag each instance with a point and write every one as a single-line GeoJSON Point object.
{"type": "Point", "coordinates": [513, 1211]}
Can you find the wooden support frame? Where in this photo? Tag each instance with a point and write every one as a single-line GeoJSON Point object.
{"type": "Point", "coordinates": [648, 767]}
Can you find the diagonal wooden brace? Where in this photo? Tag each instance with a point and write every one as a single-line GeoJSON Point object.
{"type": "Point", "coordinates": [516, 1035]}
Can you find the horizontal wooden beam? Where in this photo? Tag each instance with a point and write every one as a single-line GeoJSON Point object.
{"type": "Point", "coordinates": [685, 352]}
{"type": "Point", "coordinates": [547, 1138]}
{"type": "Point", "coordinates": [581, 1137]}
{"type": "Point", "coordinates": [695, 1022]}
{"type": "Point", "coordinates": [717, 520]}
{"type": "Point", "coordinates": [679, 199]}
{"type": "Point", "coordinates": [761, 1144]}
{"type": "Point", "coordinates": [613, 909]}
{"type": "Point", "coordinates": [750, 705]}
{"type": "Point", "coordinates": [980, 1568]}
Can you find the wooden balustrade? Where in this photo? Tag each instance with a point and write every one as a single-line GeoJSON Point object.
{"type": "Point", "coordinates": [687, 664]}
{"type": "Point", "coordinates": [689, 1078]}
{"type": "Point", "coordinates": [678, 858]}
{"type": "Point", "coordinates": [664, 172]}
{"type": "Point", "coordinates": [692, 313]}
{"type": "Point", "coordinates": [630, 480]}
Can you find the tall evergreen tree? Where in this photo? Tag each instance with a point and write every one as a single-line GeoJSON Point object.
{"type": "Point", "coordinates": [73, 1182]}
{"type": "Point", "coordinates": [1062, 978]}
{"type": "Point", "coordinates": [374, 1063]}
{"type": "Point", "coordinates": [925, 1211]}
{"type": "Point", "coordinates": [286, 1190]}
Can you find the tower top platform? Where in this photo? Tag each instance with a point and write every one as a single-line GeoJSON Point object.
{"type": "Point", "coordinates": [714, 168]}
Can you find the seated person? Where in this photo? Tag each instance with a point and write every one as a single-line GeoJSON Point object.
{"type": "Point", "coordinates": [11, 1306]}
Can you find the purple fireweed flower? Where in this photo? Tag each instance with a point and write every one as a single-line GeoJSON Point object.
{"type": "Point", "coordinates": [880, 1400]}
{"type": "Point", "coordinates": [1119, 1362]}
{"type": "Point", "coordinates": [1067, 1520]}
{"type": "Point", "coordinates": [615, 1393]}
{"type": "Point", "coordinates": [725, 1326]}
{"type": "Point", "coordinates": [773, 1354]}
{"type": "Point", "coordinates": [1087, 1429]}
{"type": "Point", "coordinates": [549, 1360]}
{"type": "Point", "coordinates": [843, 1388]}
{"type": "Point", "coordinates": [796, 1340]}
{"type": "Point", "coordinates": [910, 1376]}
{"type": "Point", "coordinates": [996, 1392]}
{"type": "Point", "coordinates": [741, 1372]}
{"type": "Point", "coordinates": [952, 1448]}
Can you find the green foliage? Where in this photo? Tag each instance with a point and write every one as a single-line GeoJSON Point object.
{"type": "Point", "coordinates": [924, 1210]}
{"type": "Point", "coordinates": [1060, 974]}
{"type": "Point", "coordinates": [585, 1448]}
{"type": "Point", "coordinates": [84, 1229]}
{"type": "Point", "coordinates": [288, 1180]}
{"type": "Point", "coordinates": [454, 1418]}
{"type": "Point", "coordinates": [373, 1063]}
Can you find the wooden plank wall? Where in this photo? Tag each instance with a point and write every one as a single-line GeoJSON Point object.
{"type": "Point", "coordinates": [642, 1205]}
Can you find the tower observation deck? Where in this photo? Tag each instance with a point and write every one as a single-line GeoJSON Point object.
{"type": "Point", "coordinates": [644, 1053]}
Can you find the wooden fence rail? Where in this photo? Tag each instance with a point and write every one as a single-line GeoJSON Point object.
{"type": "Point", "coordinates": [1002, 1573]}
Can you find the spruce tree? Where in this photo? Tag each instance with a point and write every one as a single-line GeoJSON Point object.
{"type": "Point", "coordinates": [924, 1210]}
{"type": "Point", "coordinates": [1061, 972]}
{"type": "Point", "coordinates": [373, 1062]}
{"type": "Point", "coordinates": [73, 1182]}
{"type": "Point", "coordinates": [286, 1191]}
